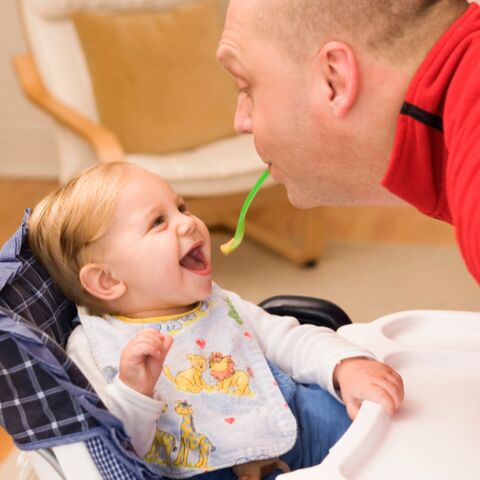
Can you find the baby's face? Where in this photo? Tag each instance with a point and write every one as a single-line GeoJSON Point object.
{"type": "Point", "coordinates": [157, 248]}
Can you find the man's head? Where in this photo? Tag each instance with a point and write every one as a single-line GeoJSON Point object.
{"type": "Point", "coordinates": [117, 239]}
{"type": "Point", "coordinates": [321, 83]}
{"type": "Point", "coordinates": [386, 28]}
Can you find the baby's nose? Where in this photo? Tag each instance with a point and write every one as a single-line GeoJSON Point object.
{"type": "Point", "coordinates": [186, 225]}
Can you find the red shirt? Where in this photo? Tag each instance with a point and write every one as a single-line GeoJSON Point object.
{"type": "Point", "coordinates": [435, 163]}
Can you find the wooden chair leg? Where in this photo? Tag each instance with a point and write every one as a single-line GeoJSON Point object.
{"type": "Point", "coordinates": [299, 239]}
{"type": "Point", "coordinates": [272, 221]}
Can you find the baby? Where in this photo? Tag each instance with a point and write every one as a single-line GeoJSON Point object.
{"type": "Point", "coordinates": [206, 383]}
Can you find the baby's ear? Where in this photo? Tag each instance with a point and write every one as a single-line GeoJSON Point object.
{"type": "Point", "coordinates": [99, 282]}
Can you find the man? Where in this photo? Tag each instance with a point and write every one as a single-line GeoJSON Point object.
{"type": "Point", "coordinates": [348, 100]}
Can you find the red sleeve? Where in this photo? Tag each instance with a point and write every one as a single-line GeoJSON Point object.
{"type": "Point", "coordinates": [462, 136]}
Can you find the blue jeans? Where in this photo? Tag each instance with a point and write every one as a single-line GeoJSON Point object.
{"type": "Point", "coordinates": [321, 421]}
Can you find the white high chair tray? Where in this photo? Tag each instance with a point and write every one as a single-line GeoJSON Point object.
{"type": "Point", "coordinates": [436, 433]}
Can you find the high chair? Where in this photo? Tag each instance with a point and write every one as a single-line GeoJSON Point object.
{"type": "Point", "coordinates": [53, 414]}
{"type": "Point", "coordinates": [137, 80]}
{"type": "Point", "coordinates": [434, 435]}
{"type": "Point", "coordinates": [46, 404]}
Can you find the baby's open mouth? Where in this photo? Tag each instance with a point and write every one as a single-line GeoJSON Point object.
{"type": "Point", "coordinates": [195, 260]}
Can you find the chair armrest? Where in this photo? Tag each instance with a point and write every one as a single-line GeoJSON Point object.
{"type": "Point", "coordinates": [104, 142]}
{"type": "Point", "coordinates": [307, 310]}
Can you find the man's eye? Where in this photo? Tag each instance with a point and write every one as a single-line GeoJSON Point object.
{"type": "Point", "coordinates": [158, 221]}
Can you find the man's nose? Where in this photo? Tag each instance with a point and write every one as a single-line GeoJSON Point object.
{"type": "Point", "coordinates": [243, 114]}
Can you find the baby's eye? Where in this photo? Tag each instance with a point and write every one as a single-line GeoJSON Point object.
{"type": "Point", "coordinates": [182, 208]}
{"type": "Point", "coordinates": [158, 221]}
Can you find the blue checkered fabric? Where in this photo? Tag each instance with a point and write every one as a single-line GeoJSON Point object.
{"type": "Point", "coordinates": [45, 400]}
{"type": "Point", "coordinates": [107, 464]}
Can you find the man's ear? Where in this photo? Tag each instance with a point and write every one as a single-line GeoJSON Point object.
{"type": "Point", "coordinates": [99, 282]}
{"type": "Point", "coordinates": [338, 67]}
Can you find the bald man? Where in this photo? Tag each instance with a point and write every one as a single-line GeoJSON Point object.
{"type": "Point", "coordinates": [351, 101]}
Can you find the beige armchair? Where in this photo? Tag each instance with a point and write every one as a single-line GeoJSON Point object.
{"type": "Point", "coordinates": [137, 80]}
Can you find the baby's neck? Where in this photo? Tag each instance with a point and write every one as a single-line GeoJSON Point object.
{"type": "Point", "coordinates": [158, 312]}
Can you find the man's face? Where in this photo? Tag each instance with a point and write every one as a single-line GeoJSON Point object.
{"type": "Point", "coordinates": [157, 248]}
{"type": "Point", "coordinates": [284, 104]}
{"type": "Point", "coordinates": [271, 102]}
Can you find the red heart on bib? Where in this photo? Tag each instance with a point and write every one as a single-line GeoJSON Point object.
{"type": "Point", "coordinates": [247, 334]}
{"type": "Point", "coordinates": [201, 343]}
{"type": "Point", "coordinates": [230, 420]}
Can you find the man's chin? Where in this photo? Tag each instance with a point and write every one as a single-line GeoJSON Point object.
{"type": "Point", "coordinates": [299, 199]}
{"type": "Point", "coordinates": [295, 193]}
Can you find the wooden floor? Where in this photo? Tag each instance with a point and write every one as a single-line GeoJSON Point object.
{"type": "Point", "coordinates": [5, 445]}
{"type": "Point", "coordinates": [15, 196]}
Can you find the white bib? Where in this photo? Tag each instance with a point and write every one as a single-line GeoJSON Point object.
{"type": "Point", "coordinates": [223, 406]}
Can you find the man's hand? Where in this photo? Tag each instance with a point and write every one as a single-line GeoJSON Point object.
{"type": "Point", "coordinates": [360, 378]}
{"type": "Point", "coordinates": [141, 361]}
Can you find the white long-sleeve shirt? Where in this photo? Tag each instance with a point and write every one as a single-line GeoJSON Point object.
{"type": "Point", "coordinates": [306, 352]}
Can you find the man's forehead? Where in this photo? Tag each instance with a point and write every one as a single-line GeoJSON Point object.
{"type": "Point", "coordinates": [238, 31]}
{"type": "Point", "coordinates": [241, 7]}
{"type": "Point", "coordinates": [240, 16]}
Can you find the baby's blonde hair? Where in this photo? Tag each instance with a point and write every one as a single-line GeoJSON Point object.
{"type": "Point", "coordinates": [64, 228]}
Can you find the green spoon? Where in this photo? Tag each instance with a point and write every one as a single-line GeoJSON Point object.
{"type": "Point", "coordinates": [233, 244]}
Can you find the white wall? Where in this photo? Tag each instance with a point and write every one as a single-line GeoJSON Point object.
{"type": "Point", "coordinates": [26, 135]}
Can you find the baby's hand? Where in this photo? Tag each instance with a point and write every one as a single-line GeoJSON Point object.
{"type": "Point", "coordinates": [360, 378]}
{"type": "Point", "coordinates": [141, 361]}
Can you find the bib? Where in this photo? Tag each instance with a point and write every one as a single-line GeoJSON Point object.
{"type": "Point", "coordinates": [223, 406]}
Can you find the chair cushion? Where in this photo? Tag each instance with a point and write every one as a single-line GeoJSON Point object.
{"type": "Point", "coordinates": [155, 78]}
{"type": "Point", "coordinates": [227, 166]}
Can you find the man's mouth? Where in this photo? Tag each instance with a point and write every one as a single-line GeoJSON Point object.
{"type": "Point", "coordinates": [196, 261]}
{"type": "Point", "coordinates": [268, 164]}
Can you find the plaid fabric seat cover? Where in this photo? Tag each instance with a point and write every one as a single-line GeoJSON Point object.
{"type": "Point", "coordinates": [45, 400]}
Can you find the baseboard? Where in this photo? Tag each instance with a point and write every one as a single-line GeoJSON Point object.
{"type": "Point", "coordinates": [27, 151]}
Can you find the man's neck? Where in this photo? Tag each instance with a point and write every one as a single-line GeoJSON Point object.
{"type": "Point", "coordinates": [418, 41]}
{"type": "Point", "coordinates": [385, 83]}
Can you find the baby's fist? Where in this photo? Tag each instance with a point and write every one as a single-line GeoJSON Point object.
{"type": "Point", "coordinates": [141, 361]}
